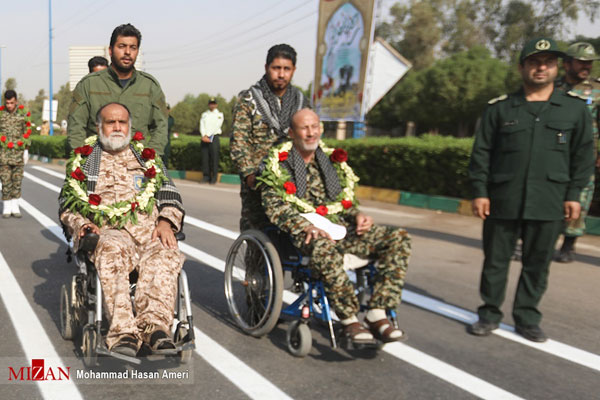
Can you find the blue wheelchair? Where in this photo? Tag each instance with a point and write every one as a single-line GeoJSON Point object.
{"type": "Point", "coordinates": [255, 293]}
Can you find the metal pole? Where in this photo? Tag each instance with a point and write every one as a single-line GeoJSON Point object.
{"type": "Point", "coordinates": [50, 62]}
{"type": "Point", "coordinates": [1, 47]}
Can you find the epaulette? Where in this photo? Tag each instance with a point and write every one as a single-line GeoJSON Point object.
{"type": "Point", "coordinates": [576, 95]}
{"type": "Point", "coordinates": [497, 99]}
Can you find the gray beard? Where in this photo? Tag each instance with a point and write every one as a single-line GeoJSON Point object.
{"type": "Point", "coordinates": [115, 144]}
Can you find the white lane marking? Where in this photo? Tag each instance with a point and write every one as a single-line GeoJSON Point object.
{"type": "Point", "coordinates": [399, 214]}
{"type": "Point", "coordinates": [33, 337]}
{"type": "Point", "coordinates": [49, 171]}
{"type": "Point", "coordinates": [245, 378]}
{"type": "Point", "coordinates": [553, 347]}
{"type": "Point", "coordinates": [207, 226]}
{"type": "Point", "coordinates": [42, 182]}
{"type": "Point", "coordinates": [205, 187]}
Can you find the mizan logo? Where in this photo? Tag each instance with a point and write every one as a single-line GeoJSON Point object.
{"type": "Point", "coordinates": [37, 372]}
{"type": "Point", "coordinates": [542, 45]}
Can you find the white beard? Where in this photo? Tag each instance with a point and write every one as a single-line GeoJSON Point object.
{"type": "Point", "coordinates": [116, 142]}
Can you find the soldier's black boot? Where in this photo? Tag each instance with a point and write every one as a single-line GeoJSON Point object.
{"type": "Point", "coordinates": [567, 251]}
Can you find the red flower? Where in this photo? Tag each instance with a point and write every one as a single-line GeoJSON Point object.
{"type": "Point", "coordinates": [10, 145]}
{"type": "Point", "coordinates": [27, 123]}
{"type": "Point", "coordinates": [1, 108]}
{"type": "Point", "coordinates": [26, 135]}
{"type": "Point", "coordinates": [322, 210]}
{"type": "Point", "coordinates": [138, 136]}
{"type": "Point", "coordinates": [134, 205]}
{"type": "Point", "coordinates": [339, 155]}
{"type": "Point", "coordinates": [28, 131]}
{"type": "Point", "coordinates": [21, 106]}
{"type": "Point", "coordinates": [2, 138]}
{"type": "Point", "coordinates": [19, 143]}
{"type": "Point", "coordinates": [150, 172]}
{"type": "Point", "coordinates": [289, 187]}
{"type": "Point", "coordinates": [28, 113]}
{"type": "Point", "coordinates": [84, 150]}
{"type": "Point", "coordinates": [78, 174]}
{"type": "Point", "coordinates": [283, 156]}
{"type": "Point", "coordinates": [94, 199]}
{"type": "Point", "coordinates": [148, 154]}
{"type": "Point", "coordinates": [346, 204]}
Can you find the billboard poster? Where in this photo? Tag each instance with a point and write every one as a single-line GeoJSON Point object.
{"type": "Point", "coordinates": [344, 34]}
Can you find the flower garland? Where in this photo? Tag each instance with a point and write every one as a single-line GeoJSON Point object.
{"type": "Point", "coordinates": [279, 178]}
{"type": "Point", "coordinates": [23, 142]}
{"type": "Point", "coordinates": [119, 213]}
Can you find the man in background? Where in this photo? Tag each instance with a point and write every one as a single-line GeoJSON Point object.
{"type": "Point", "coordinates": [97, 63]}
{"type": "Point", "coordinates": [211, 122]}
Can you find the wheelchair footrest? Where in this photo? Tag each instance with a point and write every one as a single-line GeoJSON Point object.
{"type": "Point", "coordinates": [103, 351]}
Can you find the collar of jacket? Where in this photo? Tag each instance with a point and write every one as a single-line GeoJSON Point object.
{"type": "Point", "coordinates": [556, 98]}
{"type": "Point", "coordinates": [113, 75]}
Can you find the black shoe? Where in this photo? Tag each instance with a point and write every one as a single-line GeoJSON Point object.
{"type": "Point", "coordinates": [160, 340]}
{"type": "Point", "coordinates": [566, 257]}
{"type": "Point", "coordinates": [482, 327]}
{"type": "Point", "coordinates": [127, 345]}
{"type": "Point", "coordinates": [532, 332]}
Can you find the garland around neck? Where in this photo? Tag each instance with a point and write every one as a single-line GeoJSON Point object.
{"type": "Point", "coordinates": [25, 141]}
{"type": "Point", "coordinates": [280, 179]}
{"type": "Point", "coordinates": [118, 214]}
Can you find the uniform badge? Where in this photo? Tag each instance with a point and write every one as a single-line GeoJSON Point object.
{"type": "Point", "coordinates": [561, 138]}
{"type": "Point", "coordinates": [542, 45]}
{"type": "Point", "coordinates": [138, 181]}
{"type": "Point", "coordinates": [511, 123]}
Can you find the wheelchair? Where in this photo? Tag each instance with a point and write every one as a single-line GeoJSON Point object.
{"type": "Point", "coordinates": [254, 289]}
{"type": "Point", "coordinates": [81, 315]}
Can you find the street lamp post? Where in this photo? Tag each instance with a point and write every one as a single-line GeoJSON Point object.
{"type": "Point", "coordinates": [1, 47]}
{"type": "Point", "coordinates": [50, 57]}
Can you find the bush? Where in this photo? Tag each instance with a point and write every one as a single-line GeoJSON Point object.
{"type": "Point", "coordinates": [49, 146]}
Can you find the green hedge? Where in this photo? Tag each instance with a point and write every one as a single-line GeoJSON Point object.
{"type": "Point", "coordinates": [435, 165]}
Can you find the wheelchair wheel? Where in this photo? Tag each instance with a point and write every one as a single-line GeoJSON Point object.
{"type": "Point", "coordinates": [66, 314]}
{"type": "Point", "coordinates": [184, 355]}
{"type": "Point", "coordinates": [254, 283]}
{"type": "Point", "coordinates": [88, 347]}
{"type": "Point", "coordinates": [298, 338]}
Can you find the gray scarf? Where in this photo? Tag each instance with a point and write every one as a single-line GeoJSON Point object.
{"type": "Point", "coordinates": [295, 164]}
{"type": "Point", "coordinates": [277, 117]}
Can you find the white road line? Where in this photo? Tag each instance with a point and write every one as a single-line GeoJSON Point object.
{"type": "Point", "coordinates": [245, 378]}
{"type": "Point", "coordinates": [33, 337]}
{"type": "Point", "coordinates": [42, 182]}
{"type": "Point", "coordinates": [49, 171]}
{"type": "Point", "coordinates": [553, 347]}
{"type": "Point", "coordinates": [399, 214]}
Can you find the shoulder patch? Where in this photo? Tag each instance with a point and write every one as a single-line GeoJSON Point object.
{"type": "Point", "coordinates": [576, 95]}
{"type": "Point", "coordinates": [497, 99]}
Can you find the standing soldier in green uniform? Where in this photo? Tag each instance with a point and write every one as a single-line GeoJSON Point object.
{"type": "Point", "coordinates": [261, 118]}
{"type": "Point", "coordinates": [14, 138]}
{"type": "Point", "coordinates": [577, 79]}
{"type": "Point", "coordinates": [121, 83]}
{"type": "Point", "coordinates": [532, 156]}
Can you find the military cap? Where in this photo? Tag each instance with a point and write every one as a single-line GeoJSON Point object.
{"type": "Point", "coordinates": [212, 100]}
{"type": "Point", "coordinates": [582, 51]}
{"type": "Point", "coordinates": [539, 45]}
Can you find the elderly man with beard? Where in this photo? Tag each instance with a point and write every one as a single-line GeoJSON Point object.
{"type": "Point", "coordinates": [261, 119]}
{"type": "Point", "coordinates": [532, 155]}
{"type": "Point", "coordinates": [114, 174]}
{"type": "Point", "coordinates": [120, 82]}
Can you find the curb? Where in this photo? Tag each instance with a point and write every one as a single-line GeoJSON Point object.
{"type": "Point", "coordinates": [431, 202]}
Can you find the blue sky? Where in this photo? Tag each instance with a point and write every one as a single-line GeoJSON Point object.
{"type": "Point", "coordinates": [191, 46]}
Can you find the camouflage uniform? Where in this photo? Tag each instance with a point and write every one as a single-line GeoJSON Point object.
{"type": "Point", "coordinates": [120, 251]}
{"type": "Point", "coordinates": [12, 125]}
{"type": "Point", "coordinates": [251, 140]}
{"type": "Point", "coordinates": [589, 90]}
{"type": "Point", "coordinates": [390, 247]}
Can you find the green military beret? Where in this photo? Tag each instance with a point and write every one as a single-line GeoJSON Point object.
{"type": "Point", "coordinates": [539, 45]}
{"type": "Point", "coordinates": [582, 51]}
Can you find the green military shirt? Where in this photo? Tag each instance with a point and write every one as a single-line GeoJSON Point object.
{"type": "Point", "coordinates": [142, 95]}
{"type": "Point", "coordinates": [12, 127]}
{"type": "Point", "coordinates": [588, 90]}
{"type": "Point", "coordinates": [530, 157]}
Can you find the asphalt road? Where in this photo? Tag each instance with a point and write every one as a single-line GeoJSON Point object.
{"type": "Point", "coordinates": [439, 360]}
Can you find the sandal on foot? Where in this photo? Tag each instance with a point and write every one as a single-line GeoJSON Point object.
{"type": "Point", "coordinates": [384, 329]}
{"type": "Point", "coordinates": [127, 345]}
{"type": "Point", "coordinates": [160, 341]}
{"type": "Point", "coordinates": [358, 333]}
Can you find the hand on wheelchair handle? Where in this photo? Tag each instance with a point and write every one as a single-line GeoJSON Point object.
{"type": "Point", "coordinates": [312, 232]}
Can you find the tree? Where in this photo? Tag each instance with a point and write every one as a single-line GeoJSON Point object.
{"type": "Point", "coordinates": [64, 101]}
{"type": "Point", "coordinates": [36, 105]}
{"type": "Point", "coordinates": [188, 111]}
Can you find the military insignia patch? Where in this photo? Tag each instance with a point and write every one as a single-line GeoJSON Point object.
{"type": "Point", "coordinates": [497, 99]}
{"type": "Point", "coordinates": [542, 45]}
{"type": "Point", "coordinates": [138, 181]}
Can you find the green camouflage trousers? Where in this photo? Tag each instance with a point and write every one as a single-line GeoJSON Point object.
{"type": "Point", "coordinates": [11, 176]}
{"type": "Point", "coordinates": [253, 216]}
{"type": "Point", "coordinates": [389, 247]}
{"type": "Point", "coordinates": [115, 257]}
{"type": "Point", "coordinates": [577, 227]}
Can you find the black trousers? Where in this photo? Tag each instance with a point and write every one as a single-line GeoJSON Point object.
{"type": "Point", "coordinates": [499, 240]}
{"type": "Point", "coordinates": [209, 158]}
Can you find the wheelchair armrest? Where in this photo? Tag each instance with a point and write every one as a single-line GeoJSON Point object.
{"type": "Point", "coordinates": [180, 236]}
{"type": "Point", "coordinates": [89, 242]}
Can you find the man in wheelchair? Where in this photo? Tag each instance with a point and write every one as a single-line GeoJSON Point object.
{"type": "Point", "coordinates": [118, 189]}
{"type": "Point", "coordinates": [303, 176]}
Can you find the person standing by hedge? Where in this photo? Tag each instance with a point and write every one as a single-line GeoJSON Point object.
{"type": "Point", "coordinates": [578, 64]}
{"type": "Point", "coordinates": [532, 156]}
{"type": "Point", "coordinates": [261, 118]}
{"type": "Point", "coordinates": [122, 83]}
{"type": "Point", "coordinates": [15, 129]}
{"type": "Point", "coordinates": [211, 122]}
